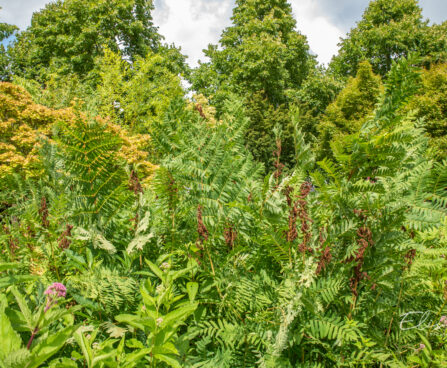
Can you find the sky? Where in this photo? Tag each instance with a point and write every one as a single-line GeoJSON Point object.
{"type": "Point", "coordinates": [193, 24]}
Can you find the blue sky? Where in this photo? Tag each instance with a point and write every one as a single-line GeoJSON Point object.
{"type": "Point", "coordinates": [193, 24]}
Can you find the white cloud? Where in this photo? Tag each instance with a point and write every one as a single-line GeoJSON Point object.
{"type": "Point", "coordinates": [322, 35]}
{"type": "Point", "coordinates": [19, 12]}
{"type": "Point", "coordinates": [193, 24]}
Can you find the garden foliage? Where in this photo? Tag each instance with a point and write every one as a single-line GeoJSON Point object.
{"type": "Point", "coordinates": [141, 227]}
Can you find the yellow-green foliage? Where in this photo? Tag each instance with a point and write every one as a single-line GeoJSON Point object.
{"type": "Point", "coordinates": [23, 125]}
{"type": "Point", "coordinates": [139, 93]}
{"type": "Point", "coordinates": [22, 122]}
{"type": "Point", "coordinates": [431, 104]}
{"type": "Point", "coordinates": [201, 104]}
{"type": "Point", "coordinates": [351, 108]}
{"type": "Point", "coordinates": [58, 91]}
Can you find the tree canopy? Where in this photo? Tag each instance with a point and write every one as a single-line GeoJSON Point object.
{"type": "Point", "coordinates": [261, 56]}
{"type": "Point", "coordinates": [389, 30]}
{"type": "Point", "coordinates": [68, 35]}
{"type": "Point", "coordinates": [6, 30]}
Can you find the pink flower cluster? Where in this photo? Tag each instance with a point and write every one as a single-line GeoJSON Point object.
{"type": "Point", "coordinates": [56, 289]}
{"type": "Point", "coordinates": [444, 321]}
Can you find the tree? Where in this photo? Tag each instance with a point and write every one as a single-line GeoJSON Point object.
{"type": "Point", "coordinates": [311, 100]}
{"type": "Point", "coordinates": [262, 56]}
{"type": "Point", "coordinates": [6, 30]}
{"type": "Point", "coordinates": [431, 104]}
{"type": "Point", "coordinates": [67, 35]}
{"type": "Point", "coordinates": [136, 95]}
{"type": "Point", "coordinates": [350, 109]}
{"type": "Point", "coordinates": [389, 30]}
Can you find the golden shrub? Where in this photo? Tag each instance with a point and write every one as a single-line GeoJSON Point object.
{"type": "Point", "coordinates": [24, 125]}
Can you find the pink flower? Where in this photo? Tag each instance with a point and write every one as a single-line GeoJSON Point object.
{"type": "Point", "coordinates": [56, 289]}
{"type": "Point", "coordinates": [421, 346]}
{"type": "Point", "coordinates": [443, 320]}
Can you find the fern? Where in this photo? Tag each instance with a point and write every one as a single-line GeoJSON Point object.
{"type": "Point", "coordinates": [106, 288]}
{"type": "Point", "coordinates": [95, 178]}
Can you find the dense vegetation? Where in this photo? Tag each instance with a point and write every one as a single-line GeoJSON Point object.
{"type": "Point", "coordinates": [278, 214]}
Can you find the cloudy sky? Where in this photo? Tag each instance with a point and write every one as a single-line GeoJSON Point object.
{"type": "Point", "coordinates": [193, 24]}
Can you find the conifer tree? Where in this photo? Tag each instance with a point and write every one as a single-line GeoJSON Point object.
{"type": "Point", "coordinates": [311, 100]}
{"type": "Point", "coordinates": [431, 105]}
{"type": "Point", "coordinates": [262, 58]}
{"type": "Point", "coordinates": [350, 109]}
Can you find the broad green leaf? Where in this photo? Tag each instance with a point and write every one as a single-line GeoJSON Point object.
{"type": "Point", "coordinates": [63, 363]}
{"type": "Point", "coordinates": [102, 357]}
{"type": "Point", "coordinates": [134, 344]}
{"type": "Point", "coordinates": [24, 308]}
{"type": "Point", "coordinates": [50, 346]}
{"type": "Point", "coordinates": [131, 320]}
{"type": "Point", "coordinates": [147, 298]}
{"type": "Point", "coordinates": [171, 361]}
{"type": "Point", "coordinates": [179, 315]}
{"type": "Point", "coordinates": [10, 341]}
{"type": "Point", "coordinates": [167, 348]}
{"type": "Point", "coordinates": [155, 269]}
{"type": "Point", "coordinates": [136, 356]}
{"type": "Point", "coordinates": [192, 288]}
{"type": "Point", "coordinates": [84, 345]}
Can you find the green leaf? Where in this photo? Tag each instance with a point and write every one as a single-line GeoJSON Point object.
{"type": "Point", "coordinates": [136, 356]}
{"type": "Point", "coordinates": [167, 348]}
{"type": "Point", "coordinates": [24, 308]}
{"type": "Point", "coordinates": [131, 320]}
{"type": "Point", "coordinates": [12, 280]}
{"type": "Point", "coordinates": [171, 361]}
{"type": "Point", "coordinates": [50, 346]}
{"type": "Point", "coordinates": [155, 269]}
{"type": "Point", "coordinates": [63, 363]}
{"type": "Point", "coordinates": [102, 357]}
{"type": "Point", "coordinates": [10, 341]}
{"type": "Point", "coordinates": [8, 266]}
{"type": "Point", "coordinates": [147, 298]}
{"type": "Point", "coordinates": [134, 344]}
{"type": "Point", "coordinates": [179, 315]}
{"type": "Point", "coordinates": [85, 346]}
{"type": "Point", "coordinates": [192, 288]}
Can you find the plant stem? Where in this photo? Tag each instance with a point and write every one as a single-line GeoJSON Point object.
{"type": "Point", "coordinates": [33, 334]}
